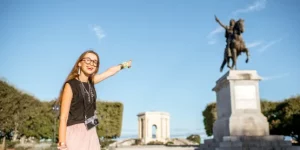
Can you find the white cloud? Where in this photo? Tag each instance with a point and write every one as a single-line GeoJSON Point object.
{"type": "Point", "coordinates": [256, 6]}
{"type": "Point", "coordinates": [253, 44]}
{"type": "Point", "coordinates": [211, 35]}
{"type": "Point", "coordinates": [212, 42]}
{"type": "Point", "coordinates": [99, 32]}
{"type": "Point", "coordinates": [268, 45]}
{"type": "Point", "coordinates": [215, 31]}
{"type": "Point", "coordinates": [268, 78]}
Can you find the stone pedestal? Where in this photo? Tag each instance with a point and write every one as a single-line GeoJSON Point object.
{"type": "Point", "coordinates": [238, 106]}
{"type": "Point", "coordinates": [240, 123]}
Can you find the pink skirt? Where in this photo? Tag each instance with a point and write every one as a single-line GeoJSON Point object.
{"type": "Point", "coordinates": [79, 138]}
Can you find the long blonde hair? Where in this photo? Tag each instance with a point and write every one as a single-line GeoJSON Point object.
{"type": "Point", "coordinates": [74, 72]}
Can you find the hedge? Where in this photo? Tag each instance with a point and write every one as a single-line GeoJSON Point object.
{"type": "Point", "coordinates": [110, 115]}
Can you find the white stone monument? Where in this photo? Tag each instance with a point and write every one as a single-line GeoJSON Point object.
{"type": "Point", "coordinates": [240, 123]}
{"type": "Point", "coordinates": [238, 106]}
{"type": "Point", "coordinates": [154, 126]}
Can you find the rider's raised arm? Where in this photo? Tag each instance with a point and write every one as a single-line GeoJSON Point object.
{"type": "Point", "coordinates": [221, 24]}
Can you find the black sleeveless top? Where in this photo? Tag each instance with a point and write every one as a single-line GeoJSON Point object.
{"type": "Point", "coordinates": [76, 113]}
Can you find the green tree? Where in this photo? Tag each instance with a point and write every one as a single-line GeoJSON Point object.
{"type": "Point", "coordinates": [39, 121]}
{"type": "Point", "coordinates": [269, 109]}
{"type": "Point", "coordinates": [10, 109]}
{"type": "Point", "coordinates": [28, 111]}
{"type": "Point", "coordinates": [46, 120]}
{"type": "Point", "coordinates": [22, 114]}
{"type": "Point", "coordinates": [288, 112]}
{"type": "Point", "coordinates": [9, 98]}
{"type": "Point", "coordinates": [210, 116]}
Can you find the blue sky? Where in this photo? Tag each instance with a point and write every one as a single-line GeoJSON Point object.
{"type": "Point", "coordinates": [176, 48]}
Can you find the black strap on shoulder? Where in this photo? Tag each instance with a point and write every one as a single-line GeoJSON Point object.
{"type": "Point", "coordinates": [95, 93]}
{"type": "Point", "coordinates": [84, 99]}
{"type": "Point", "coordinates": [83, 95]}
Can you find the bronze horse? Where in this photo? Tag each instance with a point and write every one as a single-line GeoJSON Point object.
{"type": "Point", "coordinates": [237, 47]}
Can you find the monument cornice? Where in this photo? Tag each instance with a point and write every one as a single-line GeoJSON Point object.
{"type": "Point", "coordinates": [233, 75]}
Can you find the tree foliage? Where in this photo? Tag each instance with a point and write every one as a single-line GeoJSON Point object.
{"type": "Point", "coordinates": [22, 114]}
{"type": "Point", "coordinates": [210, 116]}
{"type": "Point", "coordinates": [288, 115]}
{"type": "Point", "coordinates": [269, 109]}
{"type": "Point", "coordinates": [283, 117]}
{"type": "Point", "coordinates": [9, 99]}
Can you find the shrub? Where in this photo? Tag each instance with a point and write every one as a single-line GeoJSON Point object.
{"type": "Point", "coordinates": [137, 142]}
{"type": "Point", "coordinates": [195, 138]}
{"type": "Point", "coordinates": [11, 144]}
{"type": "Point", "coordinates": [106, 142]}
{"type": "Point", "coordinates": [155, 143]}
{"type": "Point", "coordinates": [110, 117]}
{"type": "Point", "coordinates": [169, 143]}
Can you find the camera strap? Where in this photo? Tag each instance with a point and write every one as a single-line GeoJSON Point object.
{"type": "Point", "coordinates": [83, 95]}
{"type": "Point", "coordinates": [92, 121]}
{"type": "Point", "coordinates": [84, 99]}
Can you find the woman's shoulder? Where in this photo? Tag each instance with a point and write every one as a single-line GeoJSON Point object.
{"type": "Point", "coordinates": [72, 82]}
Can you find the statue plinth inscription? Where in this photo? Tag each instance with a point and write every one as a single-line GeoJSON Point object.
{"type": "Point", "coordinates": [245, 96]}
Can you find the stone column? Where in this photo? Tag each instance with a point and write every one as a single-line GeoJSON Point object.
{"type": "Point", "coordinates": [147, 128]}
{"type": "Point", "coordinates": [166, 127]}
{"type": "Point", "coordinates": [161, 128]}
{"type": "Point", "coordinates": [139, 128]}
{"type": "Point", "coordinates": [142, 127]}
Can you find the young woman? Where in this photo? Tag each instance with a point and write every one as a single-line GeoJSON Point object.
{"type": "Point", "coordinates": [77, 127]}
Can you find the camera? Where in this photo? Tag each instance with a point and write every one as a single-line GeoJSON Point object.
{"type": "Point", "coordinates": [91, 122]}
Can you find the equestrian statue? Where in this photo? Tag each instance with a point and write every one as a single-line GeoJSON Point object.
{"type": "Point", "coordinates": [235, 44]}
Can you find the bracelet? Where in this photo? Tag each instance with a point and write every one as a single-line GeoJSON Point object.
{"type": "Point", "coordinates": [61, 144]}
{"type": "Point", "coordinates": [124, 65]}
{"type": "Point", "coordinates": [121, 66]}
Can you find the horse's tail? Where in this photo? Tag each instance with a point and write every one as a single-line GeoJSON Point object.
{"type": "Point", "coordinates": [223, 64]}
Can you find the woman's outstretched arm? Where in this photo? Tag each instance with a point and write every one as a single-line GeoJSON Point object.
{"type": "Point", "coordinates": [111, 71]}
{"type": "Point", "coordinates": [64, 112]}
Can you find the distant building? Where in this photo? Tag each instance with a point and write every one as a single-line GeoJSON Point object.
{"type": "Point", "coordinates": [154, 126]}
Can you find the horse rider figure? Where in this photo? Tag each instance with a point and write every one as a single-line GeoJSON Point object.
{"type": "Point", "coordinates": [229, 34]}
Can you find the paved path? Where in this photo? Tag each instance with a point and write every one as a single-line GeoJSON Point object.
{"type": "Point", "coordinates": [153, 148]}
